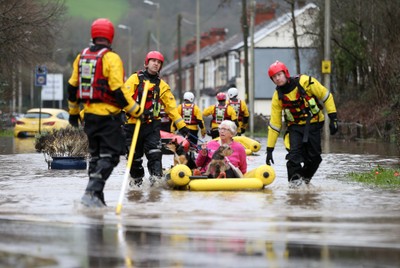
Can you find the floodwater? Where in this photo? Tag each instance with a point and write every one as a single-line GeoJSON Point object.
{"type": "Point", "coordinates": [332, 223]}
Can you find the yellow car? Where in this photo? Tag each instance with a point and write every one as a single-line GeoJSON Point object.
{"type": "Point", "coordinates": [28, 125]}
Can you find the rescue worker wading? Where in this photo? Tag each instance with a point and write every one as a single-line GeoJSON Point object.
{"type": "Point", "coordinates": [97, 81]}
{"type": "Point", "coordinates": [240, 108]}
{"type": "Point", "coordinates": [298, 99]}
{"type": "Point", "coordinates": [220, 112]}
{"type": "Point", "coordinates": [193, 118]}
{"type": "Point", "coordinates": [149, 140]}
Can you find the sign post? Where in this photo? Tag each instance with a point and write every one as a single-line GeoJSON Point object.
{"type": "Point", "coordinates": [40, 80]}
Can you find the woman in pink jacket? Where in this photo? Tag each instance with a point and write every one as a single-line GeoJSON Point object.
{"type": "Point", "coordinates": [237, 160]}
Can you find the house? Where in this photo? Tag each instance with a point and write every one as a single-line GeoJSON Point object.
{"type": "Point", "coordinates": [221, 60]}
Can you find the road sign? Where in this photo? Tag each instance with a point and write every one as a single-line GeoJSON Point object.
{"type": "Point", "coordinates": [326, 66]}
{"type": "Point", "coordinates": [40, 75]}
{"type": "Point", "coordinates": [53, 90]}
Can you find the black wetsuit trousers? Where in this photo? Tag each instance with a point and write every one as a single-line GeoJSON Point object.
{"type": "Point", "coordinates": [304, 155]}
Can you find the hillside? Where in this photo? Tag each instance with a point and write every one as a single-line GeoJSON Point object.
{"type": "Point", "coordinates": [91, 9]}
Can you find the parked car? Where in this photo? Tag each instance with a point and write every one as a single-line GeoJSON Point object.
{"type": "Point", "coordinates": [8, 120]}
{"type": "Point", "coordinates": [28, 126]}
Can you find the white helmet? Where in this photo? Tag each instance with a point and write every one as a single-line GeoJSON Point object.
{"type": "Point", "coordinates": [188, 96]}
{"type": "Point", "coordinates": [232, 92]}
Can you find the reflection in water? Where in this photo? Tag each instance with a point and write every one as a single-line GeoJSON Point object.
{"type": "Point", "coordinates": [24, 146]}
{"type": "Point", "coordinates": [102, 247]}
{"type": "Point", "coordinates": [305, 197]}
{"type": "Point", "coordinates": [11, 145]}
{"type": "Point", "coordinates": [362, 147]}
{"type": "Point", "coordinates": [152, 195]}
{"type": "Point", "coordinates": [152, 249]}
{"type": "Point", "coordinates": [332, 223]}
{"type": "Point", "coordinates": [97, 244]}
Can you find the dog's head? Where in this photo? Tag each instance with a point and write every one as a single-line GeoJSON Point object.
{"type": "Point", "coordinates": [222, 151]}
{"type": "Point", "coordinates": [171, 146]}
{"type": "Point", "coordinates": [226, 150]}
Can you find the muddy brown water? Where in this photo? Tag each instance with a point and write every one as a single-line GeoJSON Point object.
{"type": "Point", "coordinates": [332, 223]}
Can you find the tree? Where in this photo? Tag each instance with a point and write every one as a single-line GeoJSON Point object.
{"type": "Point", "coordinates": [28, 31]}
{"type": "Point", "coordinates": [366, 62]}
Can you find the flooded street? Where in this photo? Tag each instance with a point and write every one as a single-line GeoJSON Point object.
{"type": "Point", "coordinates": [332, 223]}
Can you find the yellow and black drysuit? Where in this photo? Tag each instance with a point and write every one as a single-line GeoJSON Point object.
{"type": "Point", "coordinates": [149, 139]}
{"type": "Point", "coordinates": [242, 113]}
{"type": "Point", "coordinates": [97, 83]}
{"type": "Point", "coordinates": [193, 118]}
{"type": "Point", "coordinates": [220, 112]}
{"type": "Point", "coordinates": [299, 101]}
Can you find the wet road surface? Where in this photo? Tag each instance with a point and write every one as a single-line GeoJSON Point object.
{"type": "Point", "coordinates": [331, 223]}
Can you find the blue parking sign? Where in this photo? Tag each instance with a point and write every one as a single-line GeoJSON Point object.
{"type": "Point", "coordinates": [40, 75]}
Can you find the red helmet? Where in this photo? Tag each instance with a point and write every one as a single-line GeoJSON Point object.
{"type": "Point", "coordinates": [154, 55]}
{"type": "Point", "coordinates": [221, 96]}
{"type": "Point", "coordinates": [277, 67]}
{"type": "Point", "coordinates": [103, 28]}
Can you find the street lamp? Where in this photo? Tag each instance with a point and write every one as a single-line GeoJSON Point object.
{"type": "Point", "coordinates": [125, 27]}
{"type": "Point", "coordinates": [151, 3]}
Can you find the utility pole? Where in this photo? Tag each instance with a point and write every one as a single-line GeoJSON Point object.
{"type": "Point", "coordinates": [179, 87]}
{"type": "Point", "coordinates": [327, 56]}
{"type": "Point", "coordinates": [245, 29]}
{"type": "Point", "coordinates": [252, 78]}
{"type": "Point", "coordinates": [197, 76]}
{"type": "Point", "coordinates": [19, 87]}
{"type": "Point", "coordinates": [148, 40]}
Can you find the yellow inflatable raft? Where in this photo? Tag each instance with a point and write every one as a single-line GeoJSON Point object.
{"type": "Point", "coordinates": [248, 143]}
{"type": "Point", "coordinates": [180, 177]}
{"type": "Point", "coordinates": [251, 146]}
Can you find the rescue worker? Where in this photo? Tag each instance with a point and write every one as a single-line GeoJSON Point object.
{"type": "Point", "coordinates": [220, 112]}
{"type": "Point", "coordinates": [149, 140]}
{"type": "Point", "coordinates": [241, 109]}
{"type": "Point", "coordinates": [97, 82]}
{"type": "Point", "coordinates": [193, 118]}
{"type": "Point", "coordinates": [299, 98]}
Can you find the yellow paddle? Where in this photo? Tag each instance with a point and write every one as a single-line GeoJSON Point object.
{"type": "Point", "coordinates": [132, 149]}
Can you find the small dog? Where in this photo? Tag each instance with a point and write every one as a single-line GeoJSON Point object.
{"type": "Point", "coordinates": [218, 166]}
{"type": "Point", "coordinates": [180, 156]}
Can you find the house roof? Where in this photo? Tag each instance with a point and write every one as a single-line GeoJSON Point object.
{"type": "Point", "coordinates": [265, 29]}
{"type": "Point", "coordinates": [235, 42]}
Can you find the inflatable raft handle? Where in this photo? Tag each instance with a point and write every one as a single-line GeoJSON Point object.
{"type": "Point", "coordinates": [198, 177]}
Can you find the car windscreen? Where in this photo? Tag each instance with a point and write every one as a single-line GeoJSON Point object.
{"type": "Point", "coordinates": [36, 115]}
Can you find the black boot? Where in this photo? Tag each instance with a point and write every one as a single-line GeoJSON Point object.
{"type": "Point", "coordinates": [93, 199]}
{"type": "Point", "coordinates": [295, 181]}
{"type": "Point", "coordinates": [136, 182]}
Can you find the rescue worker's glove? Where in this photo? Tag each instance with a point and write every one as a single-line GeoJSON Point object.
{"type": "Point", "coordinates": [184, 131]}
{"type": "Point", "coordinates": [74, 120]}
{"type": "Point", "coordinates": [333, 124]}
{"type": "Point", "coordinates": [269, 159]}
